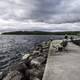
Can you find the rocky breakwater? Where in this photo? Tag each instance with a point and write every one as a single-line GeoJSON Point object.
{"type": "Point", "coordinates": [77, 42]}
{"type": "Point", "coordinates": [31, 67]}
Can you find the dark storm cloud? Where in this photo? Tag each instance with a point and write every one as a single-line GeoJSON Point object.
{"type": "Point", "coordinates": [45, 9]}
{"type": "Point", "coordinates": [57, 11]}
{"type": "Point", "coordinates": [50, 11]}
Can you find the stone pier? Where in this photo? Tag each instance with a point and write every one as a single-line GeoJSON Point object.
{"type": "Point", "coordinates": [63, 65]}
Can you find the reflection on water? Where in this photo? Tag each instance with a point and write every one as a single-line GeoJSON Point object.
{"type": "Point", "coordinates": [12, 47]}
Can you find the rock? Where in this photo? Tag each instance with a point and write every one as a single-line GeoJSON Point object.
{"type": "Point", "coordinates": [36, 52]}
{"type": "Point", "coordinates": [36, 73]}
{"type": "Point", "coordinates": [43, 44]}
{"type": "Point", "coordinates": [48, 43]}
{"type": "Point", "coordinates": [37, 62]}
{"type": "Point", "coordinates": [13, 75]}
{"type": "Point", "coordinates": [35, 78]}
{"type": "Point", "coordinates": [25, 56]}
{"type": "Point", "coordinates": [37, 47]}
{"type": "Point", "coordinates": [1, 75]}
{"type": "Point", "coordinates": [21, 67]}
{"type": "Point", "coordinates": [45, 49]}
{"type": "Point", "coordinates": [27, 75]}
{"type": "Point", "coordinates": [40, 59]}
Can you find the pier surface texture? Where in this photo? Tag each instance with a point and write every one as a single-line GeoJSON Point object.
{"type": "Point", "coordinates": [63, 65]}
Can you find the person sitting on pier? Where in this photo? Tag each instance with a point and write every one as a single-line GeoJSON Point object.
{"type": "Point", "coordinates": [65, 42]}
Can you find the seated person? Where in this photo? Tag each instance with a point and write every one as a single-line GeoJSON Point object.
{"type": "Point", "coordinates": [65, 41]}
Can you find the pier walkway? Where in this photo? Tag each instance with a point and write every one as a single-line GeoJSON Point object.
{"type": "Point", "coordinates": [63, 65]}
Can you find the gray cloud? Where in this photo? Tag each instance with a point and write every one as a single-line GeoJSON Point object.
{"type": "Point", "coordinates": [45, 9]}
{"type": "Point", "coordinates": [16, 9]}
{"type": "Point", "coordinates": [54, 11]}
{"type": "Point", "coordinates": [53, 14]}
{"type": "Point", "coordinates": [57, 11]}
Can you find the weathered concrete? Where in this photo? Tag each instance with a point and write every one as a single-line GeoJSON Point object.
{"type": "Point", "coordinates": [63, 65]}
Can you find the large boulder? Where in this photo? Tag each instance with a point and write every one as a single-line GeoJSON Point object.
{"type": "Point", "coordinates": [34, 63]}
{"type": "Point", "coordinates": [1, 75]}
{"type": "Point", "coordinates": [13, 75]}
{"type": "Point", "coordinates": [35, 53]}
{"type": "Point", "coordinates": [36, 73]}
{"type": "Point", "coordinates": [37, 62]}
{"type": "Point", "coordinates": [25, 56]}
{"type": "Point", "coordinates": [21, 67]}
{"type": "Point", "coordinates": [34, 78]}
{"type": "Point", "coordinates": [40, 59]}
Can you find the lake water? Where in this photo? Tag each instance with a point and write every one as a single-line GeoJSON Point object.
{"type": "Point", "coordinates": [13, 47]}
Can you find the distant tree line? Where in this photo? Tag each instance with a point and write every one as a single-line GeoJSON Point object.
{"type": "Point", "coordinates": [41, 33]}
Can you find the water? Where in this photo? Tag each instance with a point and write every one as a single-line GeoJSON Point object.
{"type": "Point", "coordinates": [12, 47]}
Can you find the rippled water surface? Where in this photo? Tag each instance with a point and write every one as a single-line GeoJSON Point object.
{"type": "Point", "coordinates": [12, 47]}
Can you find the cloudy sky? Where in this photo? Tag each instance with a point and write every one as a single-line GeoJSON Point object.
{"type": "Point", "coordinates": [44, 15]}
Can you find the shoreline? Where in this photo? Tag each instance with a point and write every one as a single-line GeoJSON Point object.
{"type": "Point", "coordinates": [32, 65]}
